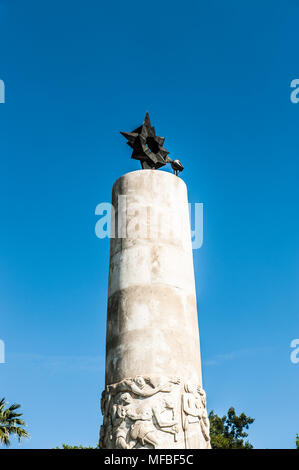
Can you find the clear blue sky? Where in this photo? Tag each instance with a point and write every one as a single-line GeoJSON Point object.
{"type": "Point", "coordinates": [215, 77]}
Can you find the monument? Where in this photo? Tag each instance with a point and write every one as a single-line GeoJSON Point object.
{"type": "Point", "coordinates": [153, 396]}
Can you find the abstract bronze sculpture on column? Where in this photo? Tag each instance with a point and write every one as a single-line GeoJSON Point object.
{"type": "Point", "coordinates": [148, 147]}
{"type": "Point", "coordinates": [153, 396]}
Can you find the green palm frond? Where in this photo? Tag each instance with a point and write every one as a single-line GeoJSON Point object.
{"type": "Point", "coordinates": [10, 423]}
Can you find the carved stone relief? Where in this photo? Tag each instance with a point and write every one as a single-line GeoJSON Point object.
{"type": "Point", "coordinates": [154, 412]}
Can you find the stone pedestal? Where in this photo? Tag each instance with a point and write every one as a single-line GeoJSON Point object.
{"type": "Point", "coordinates": [153, 396]}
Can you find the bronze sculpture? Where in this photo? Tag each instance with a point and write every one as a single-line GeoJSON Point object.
{"type": "Point", "coordinates": [148, 147]}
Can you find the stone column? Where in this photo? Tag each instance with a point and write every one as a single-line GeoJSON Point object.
{"type": "Point", "coordinates": [153, 396]}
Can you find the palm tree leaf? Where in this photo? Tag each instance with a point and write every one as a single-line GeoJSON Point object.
{"type": "Point", "coordinates": [10, 423]}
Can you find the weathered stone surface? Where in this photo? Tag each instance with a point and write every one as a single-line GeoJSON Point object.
{"type": "Point", "coordinates": [152, 326]}
{"type": "Point", "coordinates": [151, 412]}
